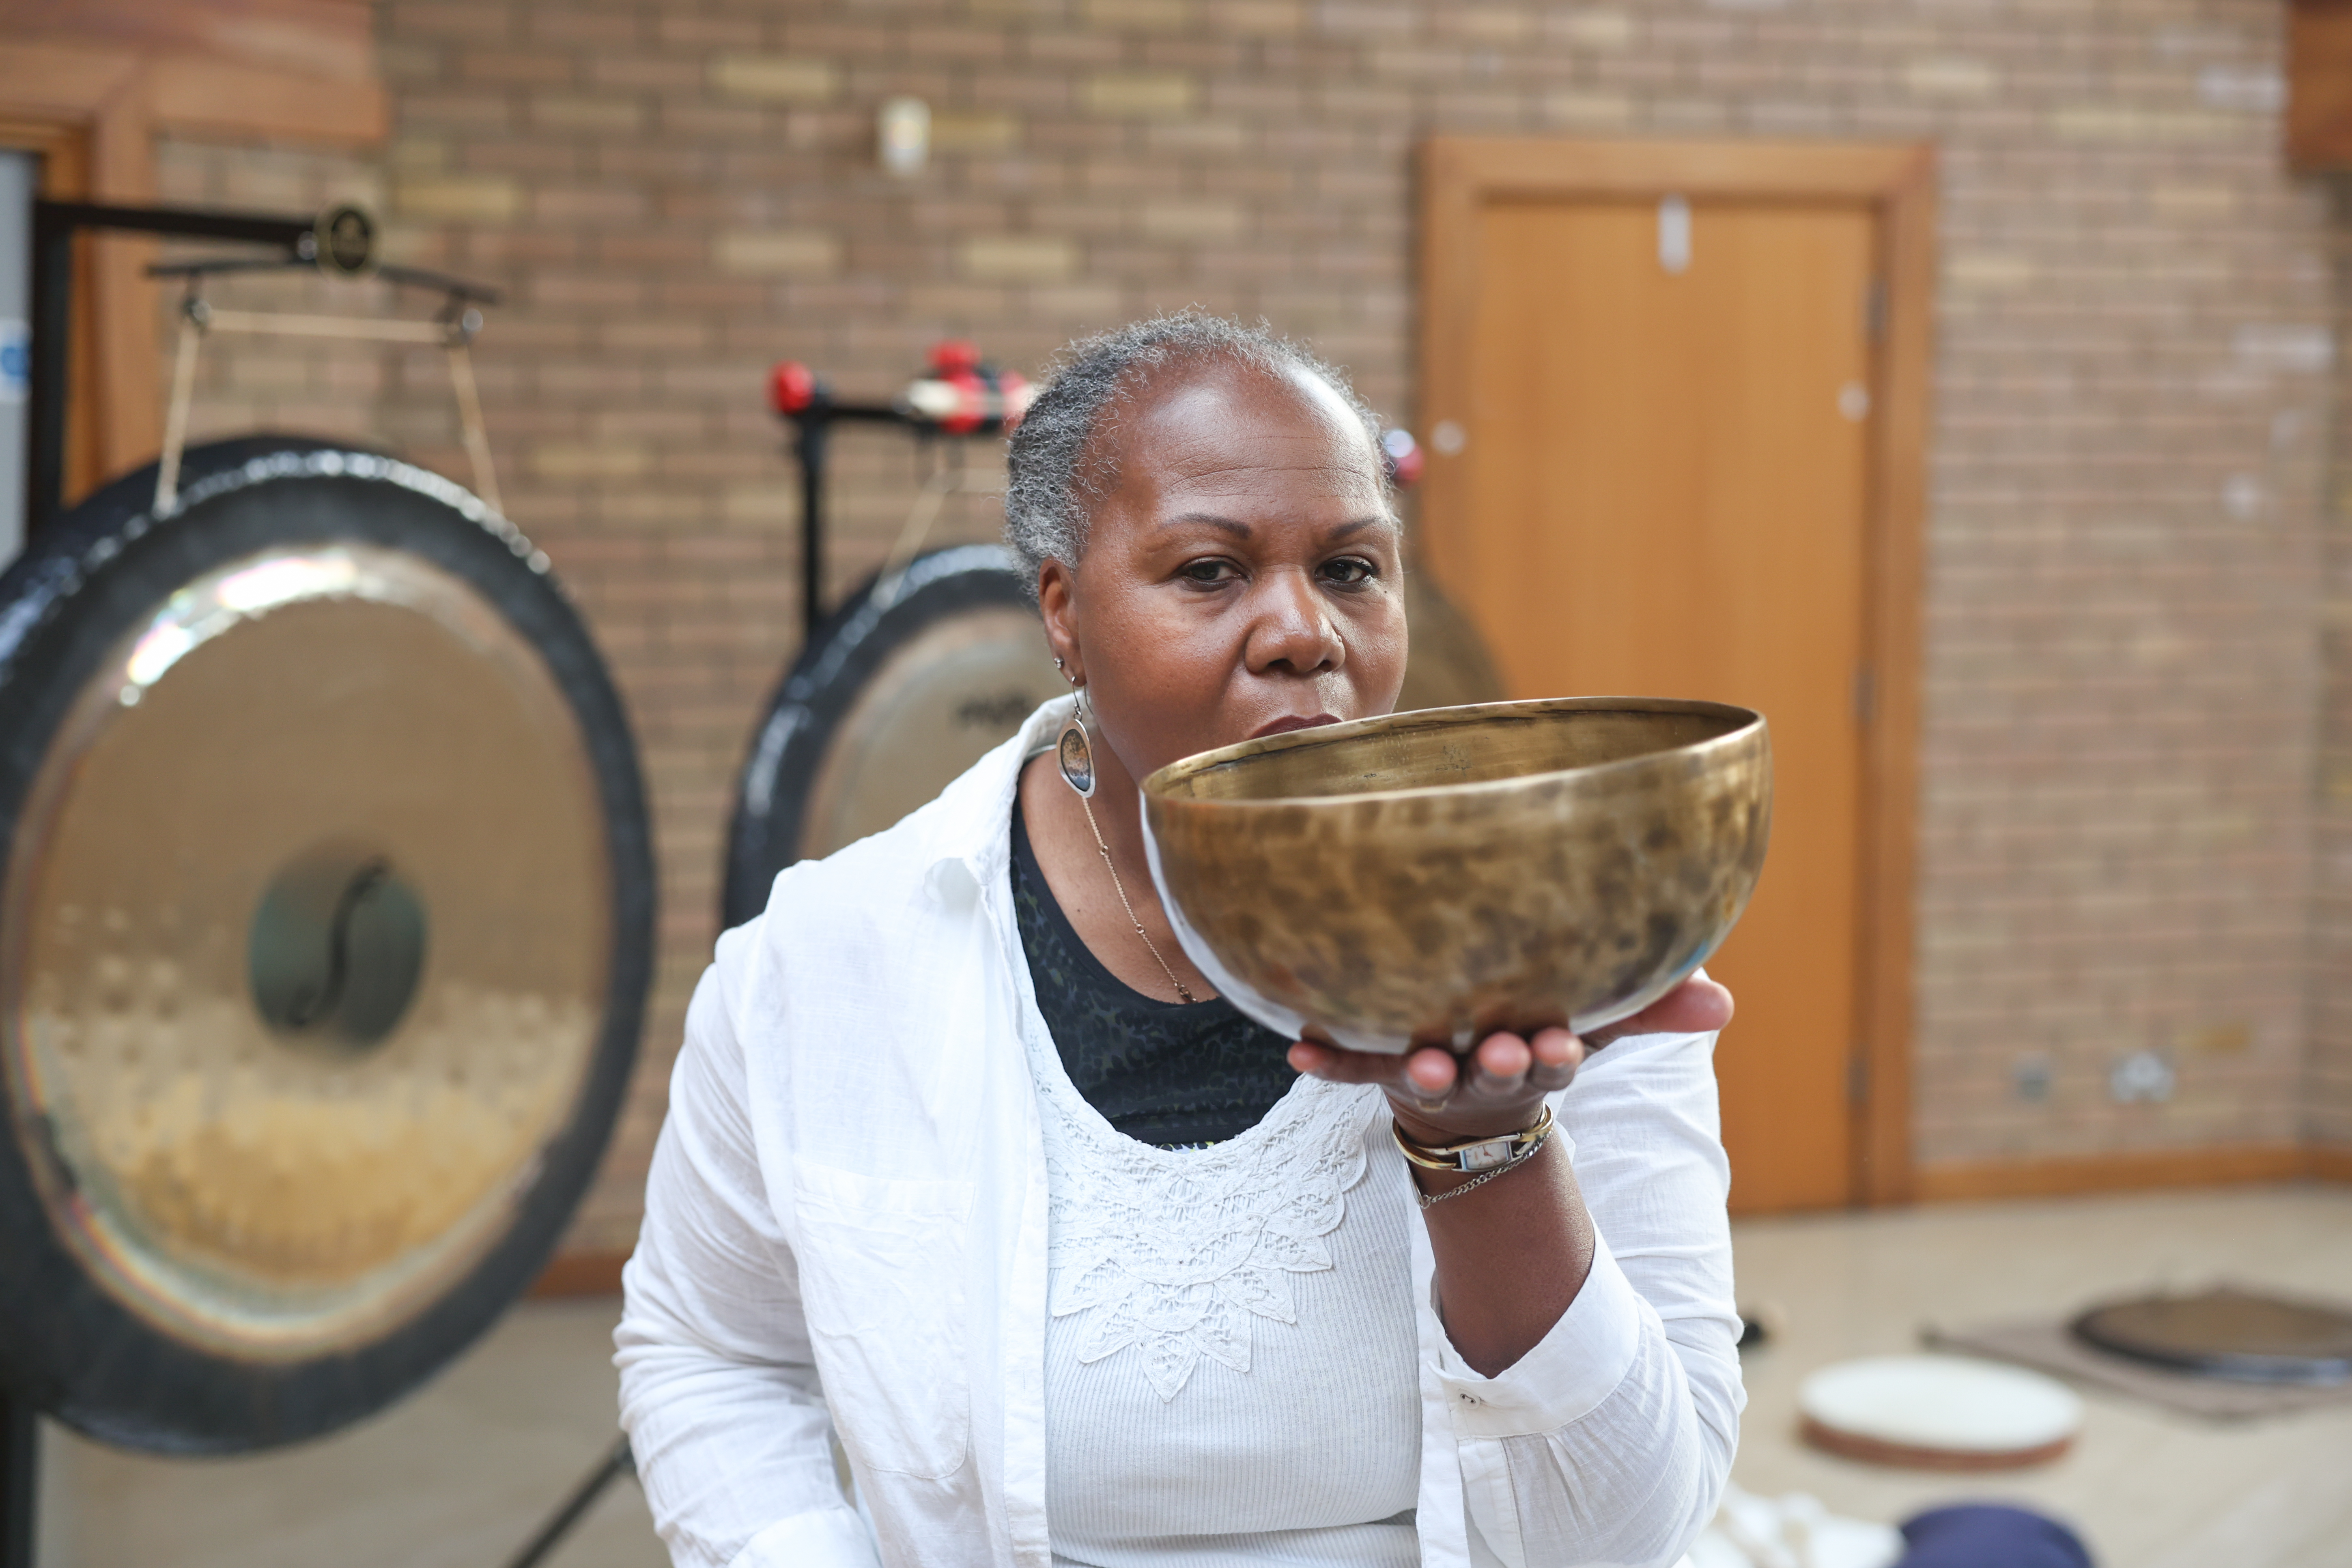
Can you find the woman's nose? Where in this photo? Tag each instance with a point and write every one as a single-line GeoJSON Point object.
{"type": "Point", "coordinates": [1293, 628]}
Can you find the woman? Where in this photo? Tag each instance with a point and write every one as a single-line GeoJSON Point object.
{"type": "Point", "coordinates": [967, 1163]}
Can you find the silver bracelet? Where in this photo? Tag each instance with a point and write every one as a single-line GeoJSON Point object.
{"type": "Point", "coordinates": [1430, 1200]}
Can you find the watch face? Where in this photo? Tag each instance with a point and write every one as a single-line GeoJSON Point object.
{"type": "Point", "coordinates": [1485, 1156]}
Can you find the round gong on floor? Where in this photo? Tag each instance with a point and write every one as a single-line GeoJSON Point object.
{"type": "Point", "coordinates": [2227, 1333]}
{"type": "Point", "coordinates": [916, 678]}
{"type": "Point", "coordinates": [325, 926]}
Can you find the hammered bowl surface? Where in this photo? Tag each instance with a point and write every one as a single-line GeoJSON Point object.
{"type": "Point", "coordinates": [1428, 877]}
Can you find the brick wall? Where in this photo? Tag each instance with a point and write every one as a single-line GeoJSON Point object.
{"type": "Point", "coordinates": [2133, 387]}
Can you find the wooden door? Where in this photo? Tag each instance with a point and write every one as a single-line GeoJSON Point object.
{"type": "Point", "coordinates": [1665, 490]}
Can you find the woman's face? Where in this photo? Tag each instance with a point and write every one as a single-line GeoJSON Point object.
{"type": "Point", "coordinates": [1244, 575]}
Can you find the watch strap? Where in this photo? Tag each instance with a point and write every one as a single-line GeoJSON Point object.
{"type": "Point", "coordinates": [1474, 1154]}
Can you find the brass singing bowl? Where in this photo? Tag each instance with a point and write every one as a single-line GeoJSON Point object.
{"type": "Point", "coordinates": [1429, 878]}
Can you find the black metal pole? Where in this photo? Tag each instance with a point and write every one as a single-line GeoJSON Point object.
{"type": "Point", "coordinates": [611, 1468]}
{"type": "Point", "coordinates": [54, 227]}
{"type": "Point", "coordinates": [812, 425]}
{"type": "Point", "coordinates": [292, 233]}
{"type": "Point", "coordinates": [809, 447]}
{"type": "Point", "coordinates": [44, 466]}
{"type": "Point", "coordinates": [20, 1481]}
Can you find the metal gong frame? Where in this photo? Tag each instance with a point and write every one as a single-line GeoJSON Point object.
{"type": "Point", "coordinates": [71, 1348]}
{"type": "Point", "coordinates": [339, 242]}
{"type": "Point", "coordinates": [842, 651]}
{"type": "Point", "coordinates": [77, 1350]}
{"type": "Point", "coordinates": [813, 419]}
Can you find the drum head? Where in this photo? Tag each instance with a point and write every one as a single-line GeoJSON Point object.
{"type": "Point", "coordinates": [1938, 1413]}
{"type": "Point", "coordinates": [2227, 1333]}
{"type": "Point", "coordinates": [325, 927]}
{"type": "Point", "coordinates": [908, 685]}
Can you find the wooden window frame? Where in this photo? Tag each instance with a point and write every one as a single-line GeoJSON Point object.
{"type": "Point", "coordinates": [92, 111]}
{"type": "Point", "coordinates": [1897, 184]}
{"type": "Point", "coordinates": [64, 152]}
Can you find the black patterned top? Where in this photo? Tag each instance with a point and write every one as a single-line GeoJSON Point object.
{"type": "Point", "coordinates": [1177, 1074]}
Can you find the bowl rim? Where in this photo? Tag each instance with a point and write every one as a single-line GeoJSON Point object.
{"type": "Point", "coordinates": [1155, 784]}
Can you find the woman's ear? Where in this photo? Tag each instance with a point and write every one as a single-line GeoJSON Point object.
{"type": "Point", "coordinates": [1058, 603]}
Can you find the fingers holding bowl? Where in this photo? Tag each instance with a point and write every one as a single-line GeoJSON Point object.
{"type": "Point", "coordinates": [1504, 1076]}
{"type": "Point", "coordinates": [1508, 1067]}
{"type": "Point", "coordinates": [1425, 1076]}
{"type": "Point", "coordinates": [1499, 1069]}
{"type": "Point", "coordinates": [1557, 1054]}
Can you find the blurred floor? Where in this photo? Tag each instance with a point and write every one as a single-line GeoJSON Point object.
{"type": "Point", "coordinates": [461, 1473]}
{"type": "Point", "coordinates": [2146, 1488]}
{"type": "Point", "coordinates": [457, 1476]}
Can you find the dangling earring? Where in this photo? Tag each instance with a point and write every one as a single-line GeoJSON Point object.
{"type": "Point", "coordinates": [1075, 751]}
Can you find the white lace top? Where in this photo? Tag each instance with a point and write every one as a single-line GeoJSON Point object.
{"type": "Point", "coordinates": [1232, 1371]}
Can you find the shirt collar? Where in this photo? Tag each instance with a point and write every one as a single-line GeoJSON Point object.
{"type": "Point", "coordinates": [969, 843]}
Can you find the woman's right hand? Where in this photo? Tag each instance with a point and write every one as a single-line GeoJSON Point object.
{"type": "Point", "coordinates": [1439, 1098]}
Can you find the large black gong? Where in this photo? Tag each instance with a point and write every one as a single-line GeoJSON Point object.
{"type": "Point", "coordinates": [325, 929]}
{"type": "Point", "coordinates": [918, 676]}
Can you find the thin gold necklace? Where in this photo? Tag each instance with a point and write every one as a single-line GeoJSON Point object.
{"type": "Point", "coordinates": [1089, 808]}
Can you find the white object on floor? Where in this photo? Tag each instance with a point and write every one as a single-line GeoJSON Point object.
{"type": "Point", "coordinates": [1791, 1531]}
{"type": "Point", "coordinates": [1949, 1403]}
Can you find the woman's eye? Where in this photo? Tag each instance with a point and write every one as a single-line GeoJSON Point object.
{"type": "Point", "coordinates": [1349, 570]}
{"type": "Point", "coordinates": [1206, 571]}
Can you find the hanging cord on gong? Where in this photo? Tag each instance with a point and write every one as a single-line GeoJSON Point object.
{"type": "Point", "coordinates": [195, 316]}
{"type": "Point", "coordinates": [453, 330]}
{"type": "Point", "coordinates": [943, 482]}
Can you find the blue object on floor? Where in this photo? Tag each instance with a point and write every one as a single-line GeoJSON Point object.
{"type": "Point", "coordinates": [1990, 1535]}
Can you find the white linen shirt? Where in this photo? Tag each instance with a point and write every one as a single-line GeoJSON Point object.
{"type": "Point", "coordinates": [845, 1232]}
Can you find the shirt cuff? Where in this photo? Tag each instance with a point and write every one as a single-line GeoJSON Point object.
{"type": "Point", "coordinates": [821, 1538]}
{"type": "Point", "coordinates": [1568, 1373]}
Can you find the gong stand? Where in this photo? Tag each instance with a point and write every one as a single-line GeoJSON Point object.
{"type": "Point", "coordinates": [55, 223]}
{"type": "Point", "coordinates": [808, 404]}
{"type": "Point", "coordinates": [339, 242]}
{"type": "Point", "coordinates": [20, 1479]}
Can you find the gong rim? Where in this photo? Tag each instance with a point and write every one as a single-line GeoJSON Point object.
{"type": "Point", "coordinates": [2239, 1336]}
{"type": "Point", "coordinates": [74, 1345]}
{"type": "Point", "coordinates": [783, 774]}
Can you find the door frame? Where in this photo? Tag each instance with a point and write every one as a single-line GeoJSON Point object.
{"type": "Point", "coordinates": [92, 108]}
{"type": "Point", "coordinates": [1897, 184]}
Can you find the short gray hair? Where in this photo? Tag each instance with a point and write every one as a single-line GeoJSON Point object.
{"type": "Point", "coordinates": [1051, 488]}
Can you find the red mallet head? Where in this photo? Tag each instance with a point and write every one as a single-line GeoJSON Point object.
{"type": "Point", "coordinates": [950, 357]}
{"type": "Point", "coordinates": [792, 387]}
